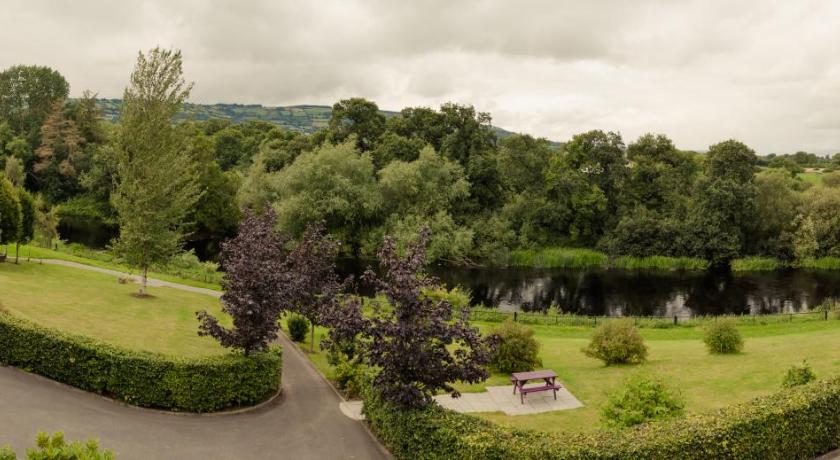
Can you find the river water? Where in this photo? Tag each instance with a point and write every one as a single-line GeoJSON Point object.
{"type": "Point", "coordinates": [611, 292]}
{"type": "Point", "coordinates": [640, 292]}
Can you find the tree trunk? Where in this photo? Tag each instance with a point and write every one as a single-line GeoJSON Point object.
{"type": "Point", "coordinates": [312, 334]}
{"type": "Point", "coordinates": [17, 251]}
{"type": "Point", "coordinates": [144, 281]}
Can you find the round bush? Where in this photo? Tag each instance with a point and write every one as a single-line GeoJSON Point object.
{"type": "Point", "coordinates": [640, 400]}
{"type": "Point", "coordinates": [617, 342]}
{"type": "Point", "coordinates": [722, 337]}
{"type": "Point", "coordinates": [517, 349]}
{"type": "Point", "coordinates": [799, 375]}
{"type": "Point", "coordinates": [298, 327]}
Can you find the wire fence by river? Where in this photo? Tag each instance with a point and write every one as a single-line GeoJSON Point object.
{"type": "Point", "coordinates": [566, 319]}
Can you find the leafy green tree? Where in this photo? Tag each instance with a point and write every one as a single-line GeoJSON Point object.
{"type": "Point", "coordinates": [229, 147]}
{"type": "Point", "coordinates": [587, 204]}
{"type": "Point", "coordinates": [156, 182]}
{"type": "Point", "coordinates": [46, 222]}
{"type": "Point", "coordinates": [723, 215]}
{"type": "Point", "coordinates": [661, 177]}
{"type": "Point", "coordinates": [467, 133]}
{"type": "Point", "coordinates": [777, 203]}
{"type": "Point", "coordinates": [642, 232]}
{"type": "Point", "coordinates": [522, 160]}
{"type": "Point", "coordinates": [393, 147]}
{"type": "Point", "coordinates": [279, 152]}
{"type": "Point", "coordinates": [335, 184]}
{"type": "Point", "coordinates": [786, 163]}
{"type": "Point", "coordinates": [356, 117]}
{"type": "Point", "coordinates": [215, 215]}
{"type": "Point", "coordinates": [421, 123]}
{"type": "Point", "coordinates": [818, 227]}
{"type": "Point", "coordinates": [10, 213]}
{"type": "Point", "coordinates": [450, 243]}
{"type": "Point", "coordinates": [424, 186]}
{"type": "Point", "coordinates": [598, 157]}
{"type": "Point", "coordinates": [14, 171]}
{"type": "Point", "coordinates": [27, 96]}
{"type": "Point", "coordinates": [27, 220]}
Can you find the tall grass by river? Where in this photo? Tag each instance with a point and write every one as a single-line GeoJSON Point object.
{"type": "Point", "coordinates": [559, 257]}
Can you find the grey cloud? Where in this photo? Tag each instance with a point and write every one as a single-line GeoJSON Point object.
{"type": "Point", "coordinates": [700, 71]}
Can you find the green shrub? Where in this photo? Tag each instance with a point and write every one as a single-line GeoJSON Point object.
{"type": "Point", "coordinates": [55, 448]}
{"type": "Point", "coordinates": [137, 377]}
{"type": "Point", "coordinates": [298, 327]}
{"type": "Point", "coordinates": [617, 342]}
{"type": "Point", "coordinates": [350, 376]}
{"type": "Point", "coordinates": [6, 453]}
{"type": "Point", "coordinates": [722, 337]}
{"type": "Point", "coordinates": [640, 400]}
{"type": "Point", "coordinates": [798, 423]}
{"type": "Point", "coordinates": [799, 375]}
{"type": "Point", "coordinates": [517, 349]}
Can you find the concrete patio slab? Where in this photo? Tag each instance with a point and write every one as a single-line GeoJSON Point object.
{"type": "Point", "coordinates": [502, 399]}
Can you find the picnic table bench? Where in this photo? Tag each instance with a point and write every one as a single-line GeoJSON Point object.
{"type": "Point", "coordinates": [519, 379]}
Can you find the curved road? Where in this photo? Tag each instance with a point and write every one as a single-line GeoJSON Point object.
{"type": "Point", "coordinates": [305, 423]}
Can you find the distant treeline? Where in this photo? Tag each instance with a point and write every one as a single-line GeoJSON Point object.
{"type": "Point", "coordinates": [367, 174]}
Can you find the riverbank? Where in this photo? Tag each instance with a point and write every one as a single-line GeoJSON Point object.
{"type": "Point", "coordinates": [562, 257]}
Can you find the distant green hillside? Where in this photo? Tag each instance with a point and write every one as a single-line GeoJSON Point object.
{"type": "Point", "coordinates": [303, 118]}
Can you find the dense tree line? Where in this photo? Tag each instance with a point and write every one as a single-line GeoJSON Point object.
{"type": "Point", "coordinates": [366, 175]}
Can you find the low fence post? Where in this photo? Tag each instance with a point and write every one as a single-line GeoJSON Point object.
{"type": "Point", "coordinates": [675, 320]}
{"type": "Point", "coordinates": [594, 321]}
{"type": "Point", "coordinates": [514, 316]}
{"type": "Point", "coordinates": [825, 315]}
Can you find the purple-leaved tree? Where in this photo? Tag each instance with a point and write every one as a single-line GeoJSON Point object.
{"type": "Point", "coordinates": [420, 346]}
{"type": "Point", "coordinates": [312, 273]}
{"type": "Point", "coordinates": [256, 273]}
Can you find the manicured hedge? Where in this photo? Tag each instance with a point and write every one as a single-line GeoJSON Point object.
{"type": "Point", "coordinates": [801, 422]}
{"type": "Point", "coordinates": [140, 378]}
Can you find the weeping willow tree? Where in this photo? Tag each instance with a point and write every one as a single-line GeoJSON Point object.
{"type": "Point", "coordinates": [155, 184]}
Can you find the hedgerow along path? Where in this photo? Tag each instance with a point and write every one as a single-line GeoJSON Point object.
{"type": "Point", "coordinates": [304, 423]}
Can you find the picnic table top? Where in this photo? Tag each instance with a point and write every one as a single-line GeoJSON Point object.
{"type": "Point", "coordinates": [533, 375]}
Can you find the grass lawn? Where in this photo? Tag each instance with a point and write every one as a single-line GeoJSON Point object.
{"type": "Point", "coordinates": [37, 252]}
{"type": "Point", "coordinates": [679, 357]}
{"type": "Point", "coordinates": [95, 305]}
{"type": "Point", "coordinates": [676, 355]}
{"type": "Point", "coordinates": [811, 177]}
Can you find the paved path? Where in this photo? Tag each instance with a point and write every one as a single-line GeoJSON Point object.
{"type": "Point", "coordinates": [305, 423]}
{"type": "Point", "coordinates": [151, 282]}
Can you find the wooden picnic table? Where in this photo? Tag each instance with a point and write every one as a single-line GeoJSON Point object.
{"type": "Point", "coordinates": [549, 377]}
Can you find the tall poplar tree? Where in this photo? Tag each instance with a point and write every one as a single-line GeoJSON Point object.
{"type": "Point", "coordinates": [155, 184]}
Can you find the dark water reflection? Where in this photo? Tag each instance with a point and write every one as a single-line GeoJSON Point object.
{"type": "Point", "coordinates": [647, 293]}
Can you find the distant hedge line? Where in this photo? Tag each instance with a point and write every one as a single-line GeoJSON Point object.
{"type": "Point", "coordinates": [801, 422]}
{"type": "Point", "coordinates": [140, 378]}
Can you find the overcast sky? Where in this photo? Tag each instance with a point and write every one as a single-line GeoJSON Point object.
{"type": "Point", "coordinates": [765, 72]}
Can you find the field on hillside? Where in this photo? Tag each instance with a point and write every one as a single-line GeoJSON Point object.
{"type": "Point", "coordinates": [96, 305]}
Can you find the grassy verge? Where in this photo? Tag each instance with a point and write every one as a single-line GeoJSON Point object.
{"type": "Point", "coordinates": [103, 259]}
{"type": "Point", "coordinates": [95, 305]}
{"type": "Point", "coordinates": [588, 258]}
